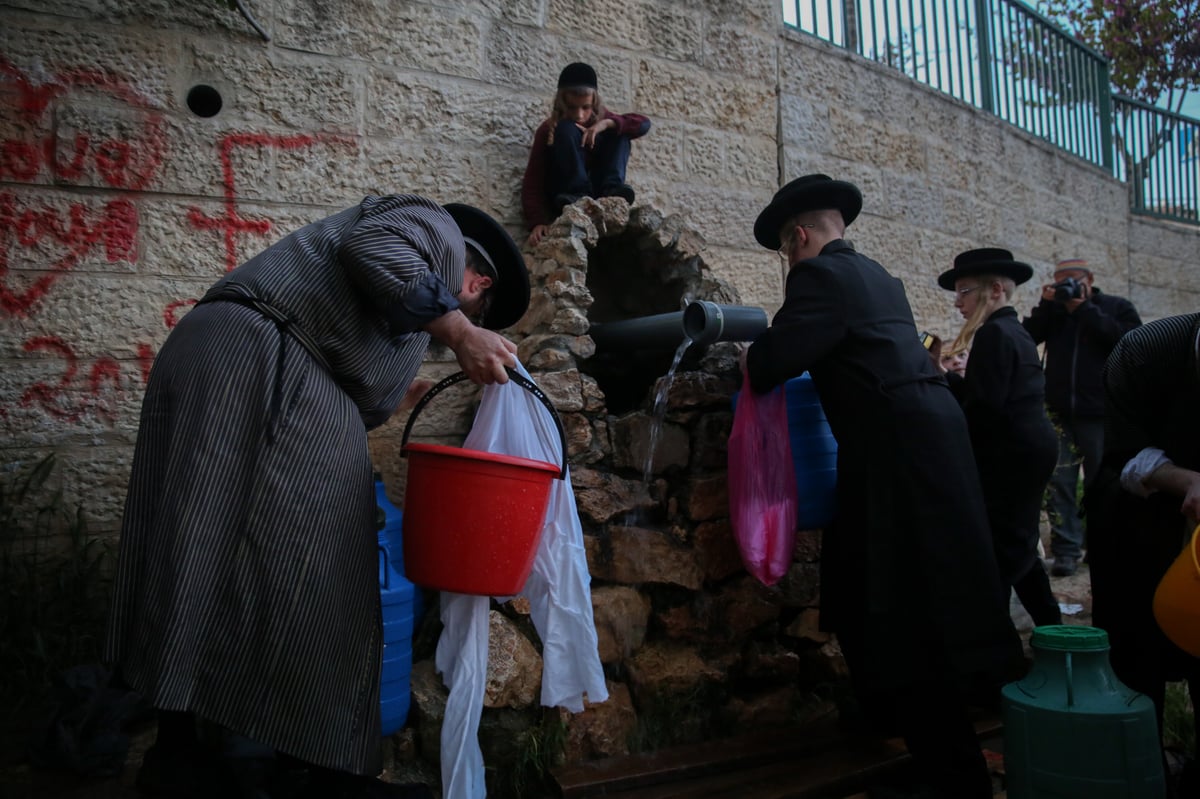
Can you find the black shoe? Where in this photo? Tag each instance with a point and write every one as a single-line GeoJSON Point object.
{"type": "Point", "coordinates": [326, 784]}
{"type": "Point", "coordinates": [1064, 567]}
{"type": "Point", "coordinates": [190, 773]}
{"type": "Point", "coordinates": [623, 190]}
{"type": "Point", "coordinates": [561, 201]}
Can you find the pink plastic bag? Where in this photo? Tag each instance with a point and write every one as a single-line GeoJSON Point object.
{"type": "Point", "coordinates": [762, 483]}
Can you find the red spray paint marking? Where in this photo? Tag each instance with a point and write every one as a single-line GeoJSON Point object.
{"type": "Point", "coordinates": [114, 228]}
{"type": "Point", "coordinates": [127, 165]}
{"type": "Point", "coordinates": [169, 317]}
{"type": "Point", "coordinates": [145, 356]}
{"type": "Point", "coordinates": [232, 222]}
{"type": "Point", "coordinates": [50, 398]}
{"type": "Point", "coordinates": [120, 164]}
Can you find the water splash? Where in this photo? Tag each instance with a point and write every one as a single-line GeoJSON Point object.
{"type": "Point", "coordinates": [660, 409]}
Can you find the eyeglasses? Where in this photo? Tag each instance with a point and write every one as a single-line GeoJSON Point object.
{"type": "Point", "coordinates": [965, 291]}
{"type": "Point", "coordinates": [785, 251]}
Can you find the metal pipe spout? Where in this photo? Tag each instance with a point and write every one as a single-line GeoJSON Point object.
{"type": "Point", "coordinates": [701, 322]}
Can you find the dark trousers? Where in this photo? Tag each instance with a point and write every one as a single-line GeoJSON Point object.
{"type": "Point", "coordinates": [576, 172]}
{"type": "Point", "coordinates": [1080, 444]}
{"type": "Point", "coordinates": [932, 717]}
{"type": "Point", "coordinates": [1037, 597]}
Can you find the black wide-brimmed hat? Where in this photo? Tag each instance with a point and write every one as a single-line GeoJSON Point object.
{"type": "Point", "coordinates": [809, 193]}
{"type": "Point", "coordinates": [577, 76]}
{"type": "Point", "coordinates": [489, 238]}
{"type": "Point", "coordinates": [985, 261]}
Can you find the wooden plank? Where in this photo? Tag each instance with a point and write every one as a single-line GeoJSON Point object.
{"type": "Point", "coordinates": [612, 775]}
{"type": "Point", "coordinates": [816, 761]}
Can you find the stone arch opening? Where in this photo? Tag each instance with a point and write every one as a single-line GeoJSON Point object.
{"type": "Point", "coordinates": [637, 264]}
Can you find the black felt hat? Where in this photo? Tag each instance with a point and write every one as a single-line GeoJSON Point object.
{"type": "Point", "coordinates": [985, 261]}
{"type": "Point", "coordinates": [809, 193]}
{"type": "Point", "coordinates": [491, 240]}
{"type": "Point", "coordinates": [577, 76]}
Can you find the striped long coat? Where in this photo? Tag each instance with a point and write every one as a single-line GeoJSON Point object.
{"type": "Point", "coordinates": [246, 588]}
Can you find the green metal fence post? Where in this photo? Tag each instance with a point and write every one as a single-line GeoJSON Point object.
{"type": "Point", "coordinates": [1104, 106]}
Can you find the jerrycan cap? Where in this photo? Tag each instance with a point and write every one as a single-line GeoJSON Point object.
{"type": "Point", "coordinates": [1069, 638]}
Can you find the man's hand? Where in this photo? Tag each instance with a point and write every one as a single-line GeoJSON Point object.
{"type": "Point", "coordinates": [536, 235]}
{"type": "Point", "coordinates": [416, 390]}
{"type": "Point", "coordinates": [481, 353]}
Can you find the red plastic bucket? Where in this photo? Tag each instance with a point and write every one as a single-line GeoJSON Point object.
{"type": "Point", "coordinates": [473, 519]}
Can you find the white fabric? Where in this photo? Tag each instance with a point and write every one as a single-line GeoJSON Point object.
{"type": "Point", "coordinates": [1140, 467]}
{"type": "Point", "coordinates": [512, 421]}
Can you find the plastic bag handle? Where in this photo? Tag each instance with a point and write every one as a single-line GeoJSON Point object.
{"type": "Point", "coordinates": [513, 375]}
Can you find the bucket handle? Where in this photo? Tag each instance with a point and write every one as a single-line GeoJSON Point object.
{"type": "Point", "coordinates": [513, 375]}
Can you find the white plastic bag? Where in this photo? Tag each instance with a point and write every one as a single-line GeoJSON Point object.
{"type": "Point", "coordinates": [512, 421]}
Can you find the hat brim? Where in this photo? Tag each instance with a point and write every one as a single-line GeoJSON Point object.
{"type": "Point", "coordinates": [511, 298]}
{"type": "Point", "coordinates": [1017, 271]}
{"type": "Point", "coordinates": [839, 194]}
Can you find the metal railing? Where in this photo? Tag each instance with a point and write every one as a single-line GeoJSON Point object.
{"type": "Point", "coordinates": [1006, 58]}
{"type": "Point", "coordinates": [1158, 155]}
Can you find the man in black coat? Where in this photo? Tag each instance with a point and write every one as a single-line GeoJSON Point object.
{"type": "Point", "coordinates": [1080, 325]}
{"type": "Point", "coordinates": [909, 582]}
{"type": "Point", "coordinates": [1144, 506]}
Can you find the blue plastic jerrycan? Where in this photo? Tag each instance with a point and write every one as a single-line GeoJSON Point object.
{"type": "Point", "coordinates": [396, 596]}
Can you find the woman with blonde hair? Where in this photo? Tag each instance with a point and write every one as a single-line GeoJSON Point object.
{"type": "Point", "coordinates": [1003, 397]}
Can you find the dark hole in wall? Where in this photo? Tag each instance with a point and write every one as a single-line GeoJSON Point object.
{"type": "Point", "coordinates": [632, 277]}
{"type": "Point", "coordinates": [204, 101]}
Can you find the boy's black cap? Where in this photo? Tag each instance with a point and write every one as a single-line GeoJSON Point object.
{"type": "Point", "coordinates": [809, 193]}
{"type": "Point", "coordinates": [577, 76]}
{"type": "Point", "coordinates": [512, 283]}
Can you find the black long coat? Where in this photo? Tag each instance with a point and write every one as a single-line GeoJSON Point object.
{"type": "Point", "coordinates": [907, 567]}
{"type": "Point", "coordinates": [1016, 448]}
{"type": "Point", "coordinates": [247, 586]}
{"type": "Point", "coordinates": [1152, 390]}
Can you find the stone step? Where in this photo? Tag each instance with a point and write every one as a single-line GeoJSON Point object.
{"type": "Point", "coordinates": [815, 762]}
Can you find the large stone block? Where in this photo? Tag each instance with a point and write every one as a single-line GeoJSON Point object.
{"type": "Point", "coordinates": [734, 48]}
{"type": "Point", "coordinates": [216, 18]}
{"type": "Point", "coordinates": [622, 615]}
{"type": "Point", "coordinates": [77, 60]}
{"type": "Point", "coordinates": [674, 91]}
{"type": "Point", "coordinates": [530, 59]}
{"type": "Point", "coordinates": [444, 173]}
{"type": "Point", "coordinates": [402, 33]}
{"type": "Point", "coordinates": [282, 88]}
{"type": "Point", "coordinates": [603, 729]}
{"type": "Point", "coordinates": [442, 110]}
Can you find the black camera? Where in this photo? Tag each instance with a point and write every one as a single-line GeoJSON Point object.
{"type": "Point", "coordinates": [1067, 289]}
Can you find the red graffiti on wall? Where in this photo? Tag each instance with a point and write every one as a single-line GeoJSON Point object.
{"type": "Point", "coordinates": [120, 163]}
{"type": "Point", "coordinates": [53, 398]}
{"type": "Point", "coordinates": [53, 240]}
{"type": "Point", "coordinates": [232, 222]}
{"type": "Point", "coordinates": [79, 229]}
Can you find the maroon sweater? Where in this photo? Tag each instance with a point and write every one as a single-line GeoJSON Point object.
{"type": "Point", "coordinates": [534, 201]}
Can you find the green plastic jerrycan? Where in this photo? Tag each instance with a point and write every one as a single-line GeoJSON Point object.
{"type": "Point", "coordinates": [1072, 730]}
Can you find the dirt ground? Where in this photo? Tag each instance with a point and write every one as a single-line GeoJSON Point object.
{"type": "Point", "coordinates": [20, 781]}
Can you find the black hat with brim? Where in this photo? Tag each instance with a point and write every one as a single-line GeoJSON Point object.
{"type": "Point", "coordinates": [511, 293]}
{"type": "Point", "coordinates": [809, 193]}
{"type": "Point", "coordinates": [985, 261]}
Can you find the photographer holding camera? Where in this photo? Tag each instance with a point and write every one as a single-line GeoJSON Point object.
{"type": "Point", "coordinates": [1080, 325]}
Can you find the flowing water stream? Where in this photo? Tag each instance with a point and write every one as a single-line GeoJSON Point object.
{"type": "Point", "coordinates": [660, 409]}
